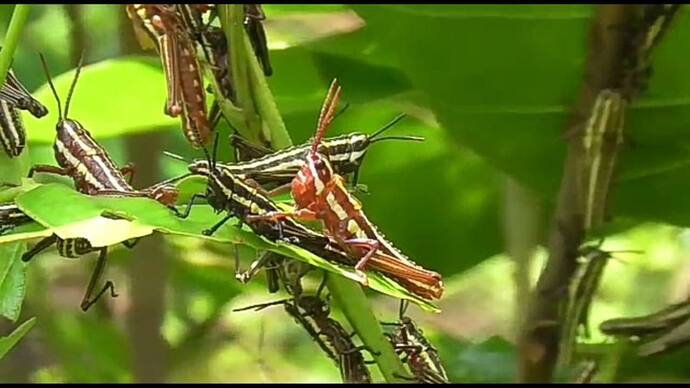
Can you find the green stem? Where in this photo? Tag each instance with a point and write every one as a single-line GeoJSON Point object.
{"type": "Point", "coordinates": [355, 305]}
{"type": "Point", "coordinates": [232, 22]}
{"type": "Point", "coordinates": [611, 362]}
{"type": "Point", "coordinates": [12, 170]}
{"type": "Point", "coordinates": [265, 103]}
{"type": "Point", "coordinates": [232, 113]}
{"type": "Point", "coordinates": [19, 16]}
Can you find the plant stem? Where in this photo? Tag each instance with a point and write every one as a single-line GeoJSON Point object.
{"type": "Point", "coordinates": [613, 27]}
{"type": "Point", "coordinates": [265, 104]}
{"type": "Point", "coordinates": [13, 169]}
{"type": "Point", "coordinates": [232, 22]}
{"type": "Point", "coordinates": [351, 299]}
{"type": "Point", "coordinates": [19, 16]}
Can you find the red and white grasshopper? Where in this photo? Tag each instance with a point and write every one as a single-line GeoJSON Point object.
{"type": "Point", "coordinates": [321, 194]}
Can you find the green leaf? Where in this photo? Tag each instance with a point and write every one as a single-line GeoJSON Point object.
{"type": "Point", "coordinates": [90, 349]}
{"type": "Point", "coordinates": [8, 342]}
{"type": "Point", "coordinates": [10, 193]}
{"type": "Point", "coordinates": [113, 97]}
{"type": "Point", "coordinates": [277, 10]}
{"type": "Point", "coordinates": [12, 279]}
{"type": "Point", "coordinates": [491, 361]}
{"type": "Point", "coordinates": [70, 214]}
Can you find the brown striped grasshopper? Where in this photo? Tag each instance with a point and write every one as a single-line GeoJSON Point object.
{"type": "Point", "coordinates": [312, 312]}
{"type": "Point", "coordinates": [601, 141]}
{"type": "Point", "coordinates": [320, 194]}
{"type": "Point", "coordinates": [14, 97]}
{"type": "Point", "coordinates": [582, 291]}
{"type": "Point", "coordinates": [94, 173]}
{"type": "Point", "coordinates": [11, 217]}
{"type": "Point", "coordinates": [162, 24]}
{"type": "Point", "coordinates": [418, 353]}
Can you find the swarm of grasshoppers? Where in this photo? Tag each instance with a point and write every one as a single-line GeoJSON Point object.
{"type": "Point", "coordinates": [314, 173]}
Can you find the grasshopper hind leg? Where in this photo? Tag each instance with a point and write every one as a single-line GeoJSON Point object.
{"type": "Point", "coordinates": [88, 300]}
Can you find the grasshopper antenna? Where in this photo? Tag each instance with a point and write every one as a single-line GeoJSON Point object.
{"type": "Point", "coordinates": [174, 179]}
{"type": "Point", "coordinates": [327, 113]}
{"type": "Point", "coordinates": [176, 157]}
{"type": "Point", "coordinates": [50, 83]}
{"type": "Point", "coordinates": [74, 83]}
{"type": "Point", "coordinates": [374, 136]}
{"type": "Point", "coordinates": [215, 151]}
{"type": "Point", "coordinates": [211, 168]}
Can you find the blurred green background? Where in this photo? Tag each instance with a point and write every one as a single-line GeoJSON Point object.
{"type": "Point", "coordinates": [489, 87]}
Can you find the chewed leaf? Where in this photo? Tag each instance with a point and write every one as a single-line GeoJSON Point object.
{"type": "Point", "coordinates": [68, 213]}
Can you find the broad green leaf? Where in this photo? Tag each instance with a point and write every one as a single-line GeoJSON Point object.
{"type": "Point", "coordinates": [491, 361]}
{"type": "Point", "coordinates": [277, 10]}
{"type": "Point", "coordinates": [8, 342]}
{"type": "Point", "coordinates": [631, 368]}
{"type": "Point", "coordinates": [113, 97]}
{"type": "Point", "coordinates": [297, 25]}
{"type": "Point", "coordinates": [507, 83]}
{"type": "Point", "coordinates": [90, 349]}
{"type": "Point", "coordinates": [70, 214]}
{"type": "Point", "coordinates": [12, 279]}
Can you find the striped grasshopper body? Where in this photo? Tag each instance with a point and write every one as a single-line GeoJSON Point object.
{"type": "Point", "coordinates": [587, 372]}
{"type": "Point", "coordinates": [662, 331]}
{"type": "Point", "coordinates": [647, 325]}
{"type": "Point", "coordinates": [75, 248]}
{"type": "Point", "coordinates": [14, 92]}
{"type": "Point", "coordinates": [162, 24]}
{"type": "Point", "coordinates": [212, 43]}
{"type": "Point", "coordinates": [418, 353]}
{"type": "Point", "coordinates": [11, 217]}
{"type": "Point", "coordinates": [253, 23]}
{"type": "Point", "coordinates": [12, 132]}
{"type": "Point", "coordinates": [89, 165]}
{"type": "Point", "coordinates": [193, 18]}
{"type": "Point", "coordinates": [277, 169]}
{"type": "Point", "coordinates": [602, 140]}
{"type": "Point", "coordinates": [651, 22]}
{"type": "Point", "coordinates": [94, 173]}
{"type": "Point", "coordinates": [15, 97]}
{"type": "Point", "coordinates": [312, 313]}
{"type": "Point", "coordinates": [345, 153]}
{"type": "Point", "coordinates": [320, 194]}
{"type": "Point", "coordinates": [227, 192]}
